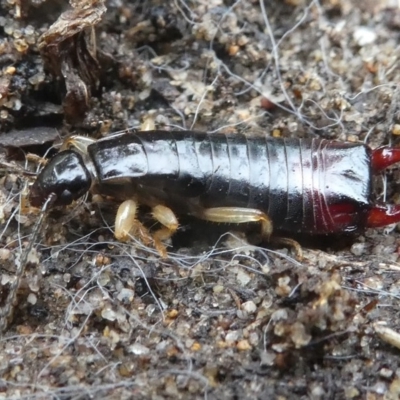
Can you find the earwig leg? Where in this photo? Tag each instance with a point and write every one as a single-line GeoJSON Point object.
{"type": "Point", "coordinates": [36, 159]}
{"type": "Point", "coordinates": [290, 243]}
{"type": "Point", "coordinates": [127, 224]}
{"type": "Point", "coordinates": [166, 217]}
{"type": "Point", "coordinates": [239, 215]}
{"type": "Point", "coordinates": [383, 157]}
{"type": "Point", "coordinates": [77, 143]}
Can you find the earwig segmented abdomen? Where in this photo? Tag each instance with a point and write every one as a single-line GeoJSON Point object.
{"type": "Point", "coordinates": [302, 185]}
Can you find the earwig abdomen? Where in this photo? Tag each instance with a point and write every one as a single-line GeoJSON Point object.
{"type": "Point", "coordinates": [304, 185]}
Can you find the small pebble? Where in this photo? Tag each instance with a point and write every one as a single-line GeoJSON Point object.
{"type": "Point", "coordinates": [351, 392]}
{"type": "Point", "coordinates": [218, 289]}
{"type": "Point", "coordinates": [358, 249]}
{"type": "Point", "coordinates": [396, 129]}
{"type": "Point", "coordinates": [126, 369]}
{"type": "Point", "coordinates": [318, 392]}
{"type": "Point", "coordinates": [4, 254]}
{"type": "Point", "coordinates": [364, 36]}
{"type": "Point", "coordinates": [138, 349]}
{"type": "Point", "coordinates": [254, 338]}
{"type": "Point", "coordinates": [109, 314]}
{"type": "Point", "coordinates": [386, 373]}
{"type": "Point", "coordinates": [249, 307]}
{"type": "Point", "coordinates": [172, 313]}
{"type": "Point", "coordinates": [299, 335]}
{"type": "Point", "coordinates": [243, 345]}
{"type": "Point", "coordinates": [196, 346]}
{"type": "Point", "coordinates": [243, 278]}
{"type": "Point", "coordinates": [267, 358]}
{"type": "Point", "coordinates": [32, 299]}
{"type": "Point", "coordinates": [126, 295]}
{"type": "Point", "coordinates": [24, 330]}
{"type": "Point", "coordinates": [232, 336]}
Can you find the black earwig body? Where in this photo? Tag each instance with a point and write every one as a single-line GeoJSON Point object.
{"type": "Point", "coordinates": [294, 181]}
{"type": "Point", "coordinates": [312, 186]}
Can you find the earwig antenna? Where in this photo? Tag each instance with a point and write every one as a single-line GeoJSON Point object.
{"type": "Point", "coordinates": [6, 312]}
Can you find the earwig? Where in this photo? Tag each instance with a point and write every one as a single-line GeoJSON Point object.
{"type": "Point", "coordinates": [289, 186]}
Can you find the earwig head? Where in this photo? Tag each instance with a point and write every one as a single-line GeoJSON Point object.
{"type": "Point", "coordinates": [65, 176]}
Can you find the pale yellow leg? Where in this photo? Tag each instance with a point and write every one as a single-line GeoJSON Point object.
{"type": "Point", "coordinates": [239, 215]}
{"type": "Point", "coordinates": [36, 159]}
{"type": "Point", "coordinates": [126, 223]}
{"type": "Point", "coordinates": [290, 243]}
{"type": "Point", "coordinates": [77, 143]}
{"type": "Point", "coordinates": [166, 217]}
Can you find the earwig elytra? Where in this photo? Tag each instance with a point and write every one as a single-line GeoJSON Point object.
{"type": "Point", "coordinates": [312, 186]}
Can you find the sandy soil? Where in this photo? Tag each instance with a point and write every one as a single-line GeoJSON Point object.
{"type": "Point", "coordinates": [219, 318]}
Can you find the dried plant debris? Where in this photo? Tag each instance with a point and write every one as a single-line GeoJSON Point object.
{"type": "Point", "coordinates": [67, 53]}
{"type": "Point", "coordinates": [220, 318]}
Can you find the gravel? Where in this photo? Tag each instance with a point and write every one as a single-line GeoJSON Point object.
{"type": "Point", "coordinates": [219, 318]}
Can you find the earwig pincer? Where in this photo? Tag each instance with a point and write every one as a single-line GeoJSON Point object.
{"type": "Point", "coordinates": [289, 186]}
